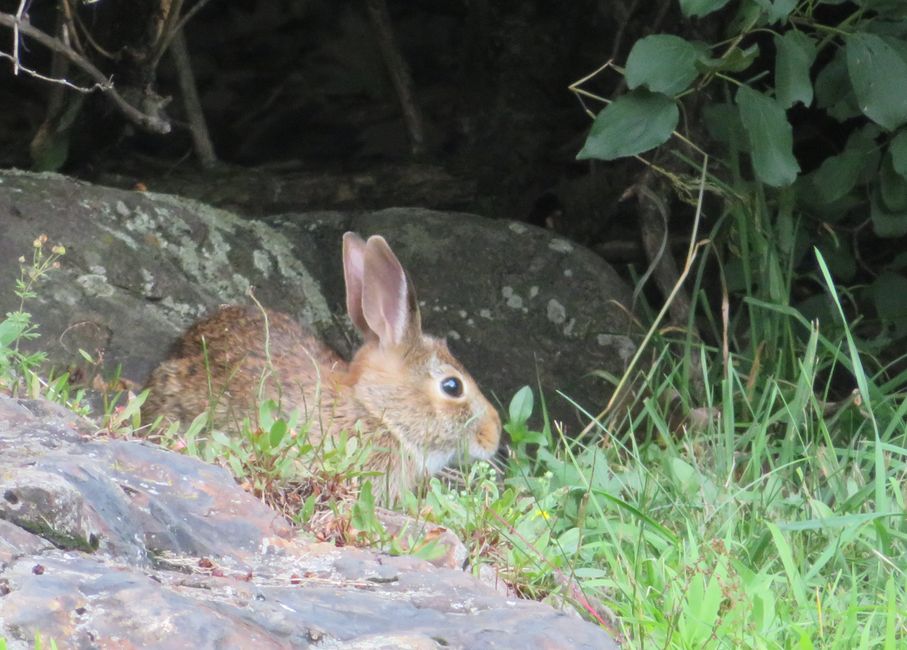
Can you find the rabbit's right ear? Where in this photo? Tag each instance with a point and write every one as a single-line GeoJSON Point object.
{"type": "Point", "coordinates": [388, 300]}
{"type": "Point", "coordinates": [353, 272]}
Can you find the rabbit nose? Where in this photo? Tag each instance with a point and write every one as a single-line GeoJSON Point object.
{"type": "Point", "coordinates": [488, 436]}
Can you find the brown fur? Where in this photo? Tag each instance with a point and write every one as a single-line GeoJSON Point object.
{"type": "Point", "coordinates": [228, 362]}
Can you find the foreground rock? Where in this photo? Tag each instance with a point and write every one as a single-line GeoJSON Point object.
{"type": "Point", "coordinates": [515, 302]}
{"type": "Point", "coordinates": [121, 544]}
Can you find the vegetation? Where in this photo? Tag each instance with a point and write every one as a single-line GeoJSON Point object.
{"type": "Point", "coordinates": [778, 522]}
{"type": "Point", "coordinates": [776, 517]}
{"type": "Point", "coordinates": [772, 515]}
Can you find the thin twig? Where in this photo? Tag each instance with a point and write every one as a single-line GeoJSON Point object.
{"type": "Point", "coordinates": [54, 80]}
{"type": "Point", "coordinates": [148, 122]}
{"type": "Point", "coordinates": [167, 34]}
{"type": "Point", "coordinates": [68, 27]}
{"type": "Point", "coordinates": [15, 56]}
{"type": "Point", "coordinates": [399, 73]}
{"type": "Point", "coordinates": [88, 37]}
{"type": "Point", "coordinates": [198, 128]}
{"type": "Point", "coordinates": [621, 29]}
{"type": "Point", "coordinates": [692, 252]}
{"type": "Point", "coordinates": [167, 37]}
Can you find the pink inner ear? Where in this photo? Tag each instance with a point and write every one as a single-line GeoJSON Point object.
{"type": "Point", "coordinates": [353, 273]}
{"type": "Point", "coordinates": [386, 294]}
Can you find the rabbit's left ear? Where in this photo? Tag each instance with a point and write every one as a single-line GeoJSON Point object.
{"type": "Point", "coordinates": [353, 271]}
{"type": "Point", "coordinates": [389, 304]}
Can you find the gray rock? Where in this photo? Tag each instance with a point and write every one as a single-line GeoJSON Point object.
{"type": "Point", "coordinates": [181, 557]}
{"type": "Point", "coordinates": [514, 302]}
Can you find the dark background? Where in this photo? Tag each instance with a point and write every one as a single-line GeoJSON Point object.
{"type": "Point", "coordinates": [299, 87]}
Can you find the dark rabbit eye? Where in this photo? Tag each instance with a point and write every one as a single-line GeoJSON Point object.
{"type": "Point", "coordinates": [452, 386]}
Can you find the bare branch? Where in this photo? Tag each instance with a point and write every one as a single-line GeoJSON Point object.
{"type": "Point", "coordinates": [19, 13]}
{"type": "Point", "coordinates": [168, 36]}
{"type": "Point", "coordinates": [63, 82]}
{"type": "Point", "coordinates": [168, 31]}
{"type": "Point", "coordinates": [148, 122]}
{"type": "Point", "coordinates": [204, 148]}
{"type": "Point", "coordinates": [399, 73]}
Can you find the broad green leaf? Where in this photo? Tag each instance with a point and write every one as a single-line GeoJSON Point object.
{"type": "Point", "coordinates": [632, 124]}
{"type": "Point", "coordinates": [833, 90]}
{"type": "Point", "coordinates": [892, 187]}
{"type": "Point", "coordinates": [795, 55]}
{"type": "Point", "coordinates": [278, 431]}
{"type": "Point", "coordinates": [221, 438]}
{"type": "Point", "coordinates": [777, 9]}
{"type": "Point", "coordinates": [863, 141]}
{"type": "Point", "coordinates": [886, 223]}
{"type": "Point", "coordinates": [662, 63]}
{"type": "Point", "coordinates": [521, 405]}
{"type": "Point", "coordinates": [837, 175]}
{"type": "Point", "coordinates": [770, 137]}
{"type": "Point", "coordinates": [888, 291]}
{"type": "Point", "coordinates": [10, 330]}
{"type": "Point", "coordinates": [898, 149]}
{"type": "Point", "coordinates": [878, 75]}
{"type": "Point", "coordinates": [694, 8]}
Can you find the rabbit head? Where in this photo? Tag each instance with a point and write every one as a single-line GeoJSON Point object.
{"type": "Point", "coordinates": [407, 380]}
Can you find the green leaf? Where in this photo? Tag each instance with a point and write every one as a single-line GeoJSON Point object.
{"type": "Point", "coordinates": [631, 124]}
{"type": "Point", "coordinates": [521, 406]}
{"type": "Point", "coordinates": [882, 6]}
{"type": "Point", "coordinates": [837, 175]}
{"type": "Point", "coordinates": [737, 60]}
{"type": "Point", "coordinates": [892, 187]}
{"type": "Point", "coordinates": [10, 330]}
{"type": "Point", "coordinates": [834, 93]}
{"type": "Point", "coordinates": [898, 150]}
{"type": "Point", "coordinates": [363, 516]}
{"type": "Point", "coordinates": [267, 414]}
{"type": "Point", "coordinates": [836, 522]}
{"type": "Point", "coordinates": [694, 8]}
{"type": "Point", "coordinates": [886, 223]}
{"type": "Point", "coordinates": [722, 121]}
{"type": "Point", "coordinates": [863, 141]}
{"type": "Point", "coordinates": [770, 137]}
{"type": "Point", "coordinates": [662, 63]}
{"type": "Point", "coordinates": [878, 75]}
{"type": "Point", "coordinates": [795, 55]}
{"type": "Point", "coordinates": [888, 291]}
{"type": "Point", "coordinates": [777, 10]}
{"type": "Point", "coordinates": [278, 431]}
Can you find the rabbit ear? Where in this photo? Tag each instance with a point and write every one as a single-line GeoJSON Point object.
{"type": "Point", "coordinates": [388, 299]}
{"type": "Point", "coordinates": [353, 271]}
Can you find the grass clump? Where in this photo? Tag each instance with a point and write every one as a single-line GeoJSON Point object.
{"type": "Point", "coordinates": [777, 520]}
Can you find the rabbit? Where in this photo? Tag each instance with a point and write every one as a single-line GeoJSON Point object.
{"type": "Point", "coordinates": [411, 397]}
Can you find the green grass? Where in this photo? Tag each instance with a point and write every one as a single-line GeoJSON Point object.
{"type": "Point", "coordinates": [778, 522]}
{"type": "Point", "coordinates": [762, 530]}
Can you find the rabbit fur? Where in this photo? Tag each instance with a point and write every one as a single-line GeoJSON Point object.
{"type": "Point", "coordinates": [414, 401]}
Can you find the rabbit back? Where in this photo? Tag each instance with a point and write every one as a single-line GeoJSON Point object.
{"type": "Point", "coordinates": [226, 363]}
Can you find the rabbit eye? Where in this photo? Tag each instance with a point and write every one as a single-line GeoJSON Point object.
{"type": "Point", "coordinates": [452, 386]}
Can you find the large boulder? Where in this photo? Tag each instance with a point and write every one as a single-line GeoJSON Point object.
{"type": "Point", "coordinates": [515, 302]}
{"type": "Point", "coordinates": [116, 543]}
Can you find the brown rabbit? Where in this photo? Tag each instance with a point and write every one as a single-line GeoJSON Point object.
{"type": "Point", "coordinates": [414, 400]}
